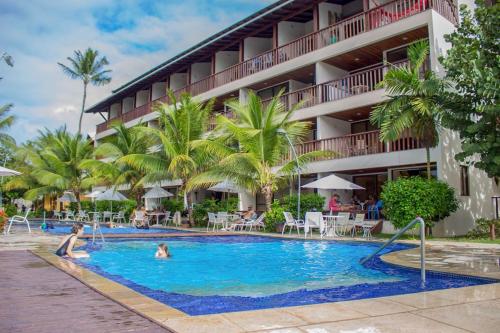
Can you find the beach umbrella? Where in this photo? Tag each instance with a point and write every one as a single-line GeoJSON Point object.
{"type": "Point", "coordinates": [226, 186]}
{"type": "Point", "coordinates": [157, 193]}
{"type": "Point", "coordinates": [8, 172]}
{"type": "Point", "coordinates": [67, 197]}
{"type": "Point", "coordinates": [111, 195]}
{"type": "Point", "coordinates": [333, 182]}
{"type": "Point", "coordinates": [93, 194]}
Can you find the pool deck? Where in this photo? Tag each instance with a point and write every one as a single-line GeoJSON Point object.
{"type": "Point", "coordinates": [470, 309]}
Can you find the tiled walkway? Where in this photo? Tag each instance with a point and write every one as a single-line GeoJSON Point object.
{"type": "Point", "coordinates": [37, 297]}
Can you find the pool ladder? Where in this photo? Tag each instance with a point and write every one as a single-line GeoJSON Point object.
{"type": "Point", "coordinates": [397, 235]}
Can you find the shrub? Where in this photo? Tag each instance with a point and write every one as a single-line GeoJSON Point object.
{"type": "Point", "coordinates": [484, 228]}
{"type": "Point", "coordinates": [173, 205]}
{"type": "Point", "coordinates": [406, 198]}
{"type": "Point", "coordinates": [201, 210]}
{"type": "Point", "coordinates": [308, 202]}
{"type": "Point", "coordinates": [274, 216]}
{"type": "Point", "coordinates": [10, 210]}
{"type": "Point", "coordinates": [3, 220]}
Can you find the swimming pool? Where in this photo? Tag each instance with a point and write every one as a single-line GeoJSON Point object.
{"type": "Point", "coordinates": [210, 274]}
{"type": "Point", "coordinates": [66, 229]}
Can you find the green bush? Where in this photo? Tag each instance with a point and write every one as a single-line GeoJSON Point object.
{"type": "Point", "coordinates": [308, 202]}
{"type": "Point", "coordinates": [173, 205]}
{"type": "Point", "coordinates": [201, 210]}
{"type": "Point", "coordinates": [10, 210]}
{"type": "Point", "coordinates": [274, 216]}
{"type": "Point", "coordinates": [483, 227]}
{"type": "Point", "coordinates": [406, 198]}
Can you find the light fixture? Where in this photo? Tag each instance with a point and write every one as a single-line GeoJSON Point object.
{"type": "Point", "coordinates": [405, 38]}
{"type": "Point", "coordinates": [358, 113]}
{"type": "Point", "coordinates": [349, 120]}
{"type": "Point", "coordinates": [356, 59]}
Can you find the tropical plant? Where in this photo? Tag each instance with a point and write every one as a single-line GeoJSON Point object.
{"type": "Point", "coordinates": [408, 197]}
{"type": "Point", "coordinates": [308, 202]}
{"type": "Point", "coordinates": [6, 120]}
{"type": "Point", "coordinates": [201, 210]}
{"type": "Point", "coordinates": [88, 68]}
{"type": "Point", "coordinates": [472, 64]}
{"type": "Point", "coordinates": [485, 227]}
{"type": "Point", "coordinates": [252, 147]}
{"type": "Point", "coordinates": [53, 165]}
{"type": "Point", "coordinates": [414, 104]}
{"type": "Point", "coordinates": [274, 216]}
{"type": "Point", "coordinates": [109, 165]}
{"type": "Point", "coordinates": [182, 123]}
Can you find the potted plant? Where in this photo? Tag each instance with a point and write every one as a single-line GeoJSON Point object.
{"type": "Point", "coordinates": [3, 220]}
{"type": "Point", "coordinates": [275, 219]}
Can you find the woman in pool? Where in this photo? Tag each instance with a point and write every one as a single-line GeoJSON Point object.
{"type": "Point", "coordinates": [162, 251]}
{"type": "Point", "coordinates": [66, 246]}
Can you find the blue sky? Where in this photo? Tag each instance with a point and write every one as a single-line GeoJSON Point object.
{"type": "Point", "coordinates": [134, 36]}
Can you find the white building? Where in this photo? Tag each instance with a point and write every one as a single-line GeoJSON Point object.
{"type": "Point", "coordinates": [330, 54]}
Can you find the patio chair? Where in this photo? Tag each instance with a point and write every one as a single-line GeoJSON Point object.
{"type": "Point", "coordinates": [57, 215]}
{"type": "Point", "coordinates": [167, 218]}
{"type": "Point", "coordinates": [107, 216]}
{"type": "Point", "coordinates": [343, 225]}
{"type": "Point", "coordinates": [176, 219]}
{"type": "Point", "coordinates": [359, 220]}
{"type": "Point", "coordinates": [211, 220]}
{"type": "Point", "coordinates": [314, 220]}
{"type": "Point", "coordinates": [82, 216]}
{"type": "Point", "coordinates": [70, 215]}
{"type": "Point", "coordinates": [291, 222]}
{"type": "Point", "coordinates": [19, 219]}
{"type": "Point", "coordinates": [139, 217]}
{"type": "Point", "coordinates": [258, 223]}
{"type": "Point", "coordinates": [119, 217]}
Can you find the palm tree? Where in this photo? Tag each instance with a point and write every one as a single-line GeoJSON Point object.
{"type": "Point", "coordinates": [6, 121]}
{"type": "Point", "coordinates": [181, 124]}
{"type": "Point", "coordinates": [111, 169]}
{"type": "Point", "coordinates": [252, 147]}
{"type": "Point", "coordinates": [414, 103]}
{"type": "Point", "coordinates": [87, 67]}
{"type": "Point", "coordinates": [53, 161]}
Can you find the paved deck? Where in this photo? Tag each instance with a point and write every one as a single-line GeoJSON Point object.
{"type": "Point", "coordinates": [37, 297]}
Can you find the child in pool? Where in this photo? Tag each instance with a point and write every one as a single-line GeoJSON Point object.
{"type": "Point", "coordinates": [162, 251]}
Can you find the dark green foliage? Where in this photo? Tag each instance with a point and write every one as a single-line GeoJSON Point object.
{"type": "Point", "coordinates": [274, 216]}
{"type": "Point", "coordinates": [406, 198]}
{"type": "Point", "coordinates": [483, 228]}
{"type": "Point", "coordinates": [10, 210]}
{"type": "Point", "coordinates": [173, 205]}
{"type": "Point", "coordinates": [308, 202]}
{"type": "Point", "coordinates": [473, 66]}
{"type": "Point", "coordinates": [127, 206]}
{"type": "Point", "coordinates": [201, 210]}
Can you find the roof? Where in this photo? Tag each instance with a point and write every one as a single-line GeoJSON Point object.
{"type": "Point", "coordinates": [259, 23]}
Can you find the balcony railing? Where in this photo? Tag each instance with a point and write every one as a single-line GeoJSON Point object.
{"type": "Point", "coordinates": [374, 18]}
{"type": "Point", "coordinates": [359, 144]}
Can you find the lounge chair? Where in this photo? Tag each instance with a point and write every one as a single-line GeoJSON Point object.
{"type": "Point", "coordinates": [291, 222]}
{"type": "Point", "coordinates": [257, 223]}
{"type": "Point", "coordinates": [19, 219]}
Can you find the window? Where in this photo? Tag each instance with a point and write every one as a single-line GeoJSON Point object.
{"type": "Point", "coordinates": [464, 180]}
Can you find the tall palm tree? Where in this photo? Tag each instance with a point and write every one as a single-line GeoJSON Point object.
{"type": "Point", "coordinates": [414, 103]}
{"type": "Point", "coordinates": [6, 120]}
{"type": "Point", "coordinates": [88, 68]}
{"type": "Point", "coordinates": [54, 162]}
{"type": "Point", "coordinates": [252, 147]}
{"type": "Point", "coordinates": [181, 124]}
{"type": "Point", "coordinates": [110, 166]}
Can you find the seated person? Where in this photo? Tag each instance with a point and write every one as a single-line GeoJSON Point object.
{"type": "Point", "coordinates": [139, 218]}
{"type": "Point", "coordinates": [162, 251]}
{"type": "Point", "coordinates": [334, 204]}
{"type": "Point", "coordinates": [249, 214]}
{"type": "Point", "coordinates": [374, 207]}
{"type": "Point", "coordinates": [67, 244]}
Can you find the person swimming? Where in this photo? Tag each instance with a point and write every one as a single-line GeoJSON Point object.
{"type": "Point", "coordinates": [162, 251]}
{"type": "Point", "coordinates": [66, 246]}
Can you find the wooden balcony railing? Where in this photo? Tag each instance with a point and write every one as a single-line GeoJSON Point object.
{"type": "Point", "coordinates": [359, 144]}
{"type": "Point", "coordinates": [374, 18]}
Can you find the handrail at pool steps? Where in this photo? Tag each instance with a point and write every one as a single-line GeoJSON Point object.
{"type": "Point", "coordinates": [397, 235]}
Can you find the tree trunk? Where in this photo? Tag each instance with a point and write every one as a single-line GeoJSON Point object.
{"type": "Point", "coordinates": [492, 231]}
{"type": "Point", "coordinates": [428, 155]}
{"type": "Point", "coordinates": [83, 108]}
{"type": "Point", "coordinates": [268, 197]}
{"type": "Point", "coordinates": [189, 200]}
{"type": "Point", "coordinates": [78, 202]}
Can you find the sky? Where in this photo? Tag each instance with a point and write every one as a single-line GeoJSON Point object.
{"type": "Point", "coordinates": [134, 36]}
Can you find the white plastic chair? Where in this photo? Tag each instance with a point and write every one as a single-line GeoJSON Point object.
{"type": "Point", "coordinates": [258, 223]}
{"type": "Point", "coordinates": [291, 222]}
{"type": "Point", "coordinates": [107, 216]}
{"type": "Point", "coordinates": [82, 216]}
{"type": "Point", "coordinates": [70, 215]}
{"type": "Point", "coordinates": [20, 219]}
{"type": "Point", "coordinates": [57, 215]}
{"type": "Point", "coordinates": [211, 220]}
{"type": "Point", "coordinates": [167, 218]}
{"type": "Point", "coordinates": [343, 223]}
{"type": "Point", "coordinates": [359, 220]}
{"type": "Point", "coordinates": [119, 217]}
{"type": "Point", "coordinates": [314, 220]}
{"type": "Point", "coordinates": [140, 217]}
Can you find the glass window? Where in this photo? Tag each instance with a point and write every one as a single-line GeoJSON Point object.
{"type": "Point", "coordinates": [410, 172]}
{"type": "Point", "coordinates": [464, 180]}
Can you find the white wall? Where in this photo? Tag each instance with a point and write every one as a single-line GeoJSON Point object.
{"type": "Point", "coordinates": [289, 31]}
{"type": "Point", "coordinates": [200, 70]}
{"type": "Point", "coordinates": [329, 127]}
{"type": "Point", "coordinates": [324, 8]}
{"type": "Point", "coordinates": [159, 90]}
{"type": "Point", "coordinates": [141, 98]}
{"type": "Point", "coordinates": [114, 110]}
{"type": "Point", "coordinates": [225, 59]}
{"type": "Point", "coordinates": [326, 72]}
{"type": "Point", "coordinates": [256, 45]}
{"type": "Point", "coordinates": [178, 80]}
{"type": "Point", "coordinates": [128, 104]}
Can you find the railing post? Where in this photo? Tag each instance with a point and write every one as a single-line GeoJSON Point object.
{"type": "Point", "coordinates": [422, 249]}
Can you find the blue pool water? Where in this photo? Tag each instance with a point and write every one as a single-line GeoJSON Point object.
{"type": "Point", "coordinates": [66, 229]}
{"type": "Point", "coordinates": [233, 273]}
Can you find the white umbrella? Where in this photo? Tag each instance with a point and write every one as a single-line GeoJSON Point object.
{"type": "Point", "coordinates": [225, 186]}
{"type": "Point", "coordinates": [8, 172]}
{"type": "Point", "coordinates": [333, 182]}
{"type": "Point", "coordinates": [93, 194]}
{"type": "Point", "coordinates": [67, 197]}
{"type": "Point", "coordinates": [156, 193]}
{"type": "Point", "coordinates": [111, 195]}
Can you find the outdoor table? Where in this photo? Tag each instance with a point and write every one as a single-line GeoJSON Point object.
{"type": "Point", "coordinates": [330, 221]}
{"type": "Point", "coordinates": [157, 214]}
{"type": "Point", "coordinates": [228, 219]}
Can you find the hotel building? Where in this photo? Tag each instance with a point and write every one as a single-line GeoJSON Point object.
{"type": "Point", "coordinates": [330, 55]}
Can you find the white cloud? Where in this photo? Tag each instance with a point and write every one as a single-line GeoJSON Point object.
{"type": "Point", "coordinates": [40, 33]}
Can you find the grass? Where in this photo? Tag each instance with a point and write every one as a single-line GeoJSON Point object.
{"type": "Point", "coordinates": [484, 240]}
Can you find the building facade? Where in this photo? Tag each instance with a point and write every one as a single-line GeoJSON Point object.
{"type": "Point", "coordinates": [330, 55]}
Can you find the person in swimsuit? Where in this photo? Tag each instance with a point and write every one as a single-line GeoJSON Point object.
{"type": "Point", "coordinates": [162, 251]}
{"type": "Point", "coordinates": [66, 246]}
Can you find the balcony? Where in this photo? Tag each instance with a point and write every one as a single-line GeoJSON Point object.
{"type": "Point", "coordinates": [374, 18]}
{"type": "Point", "coordinates": [360, 144]}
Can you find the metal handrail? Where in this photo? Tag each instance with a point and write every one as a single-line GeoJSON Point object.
{"type": "Point", "coordinates": [397, 235]}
